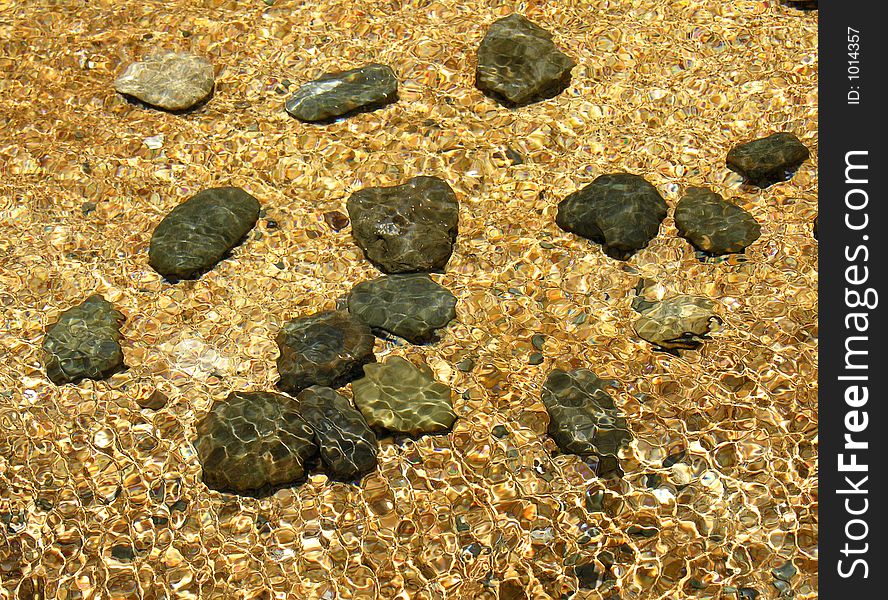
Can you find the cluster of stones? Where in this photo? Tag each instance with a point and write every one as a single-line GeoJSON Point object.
{"type": "Point", "coordinates": [623, 212]}
{"type": "Point", "coordinates": [254, 440]}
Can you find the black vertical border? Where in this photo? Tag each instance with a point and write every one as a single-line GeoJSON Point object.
{"type": "Point", "coordinates": [845, 127]}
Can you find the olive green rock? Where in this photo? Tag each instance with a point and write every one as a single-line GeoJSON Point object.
{"type": "Point", "coordinates": [411, 306]}
{"type": "Point", "coordinates": [681, 322]}
{"type": "Point", "coordinates": [766, 161]}
{"type": "Point", "coordinates": [518, 63]}
{"type": "Point", "coordinates": [400, 397]}
{"type": "Point", "coordinates": [327, 348]}
{"type": "Point", "coordinates": [583, 418]}
{"type": "Point", "coordinates": [84, 342]}
{"type": "Point", "coordinates": [344, 93]}
{"type": "Point", "coordinates": [172, 81]}
{"type": "Point", "coordinates": [713, 224]}
{"type": "Point", "coordinates": [251, 440]}
{"type": "Point", "coordinates": [621, 211]}
{"type": "Point", "coordinates": [406, 228]}
{"type": "Point", "coordinates": [201, 231]}
{"type": "Point", "coordinates": [348, 446]}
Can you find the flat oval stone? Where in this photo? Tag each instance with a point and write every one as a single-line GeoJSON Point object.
{"type": "Point", "coordinates": [406, 228]}
{"type": "Point", "coordinates": [348, 446]}
{"type": "Point", "coordinates": [583, 418]}
{"type": "Point", "coordinates": [518, 63]}
{"type": "Point", "coordinates": [171, 80]}
{"type": "Point", "coordinates": [400, 397]}
{"type": "Point", "coordinates": [251, 440]}
{"type": "Point", "coordinates": [681, 322]}
{"type": "Point", "coordinates": [411, 306]}
{"type": "Point", "coordinates": [344, 93]}
{"type": "Point", "coordinates": [327, 348]}
{"type": "Point", "coordinates": [714, 225]}
{"type": "Point", "coordinates": [84, 342]}
{"type": "Point", "coordinates": [621, 211]}
{"type": "Point", "coordinates": [766, 161]}
{"type": "Point", "coordinates": [199, 233]}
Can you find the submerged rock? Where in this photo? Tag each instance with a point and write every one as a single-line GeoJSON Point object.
{"type": "Point", "coordinates": [406, 228]}
{"type": "Point", "coordinates": [84, 342]}
{"type": "Point", "coordinates": [251, 440]}
{"type": "Point", "coordinates": [583, 418]}
{"type": "Point", "coordinates": [348, 446]}
{"type": "Point", "coordinates": [199, 233]}
{"type": "Point", "coordinates": [400, 397]}
{"type": "Point", "coordinates": [681, 322]}
{"type": "Point", "coordinates": [621, 211]}
{"type": "Point", "coordinates": [714, 225]}
{"type": "Point", "coordinates": [518, 63]}
{"type": "Point", "coordinates": [766, 161]}
{"type": "Point", "coordinates": [340, 94]}
{"type": "Point", "coordinates": [327, 349]}
{"type": "Point", "coordinates": [411, 306]}
{"type": "Point", "coordinates": [170, 80]}
{"type": "Point", "coordinates": [801, 4]}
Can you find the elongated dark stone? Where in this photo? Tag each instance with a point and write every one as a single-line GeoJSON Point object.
{"type": "Point", "coordinates": [411, 306]}
{"type": "Point", "coordinates": [341, 94]}
{"type": "Point", "coordinates": [199, 233]}
{"type": "Point", "coordinates": [713, 224]}
{"type": "Point", "coordinates": [583, 418]}
{"type": "Point", "coordinates": [84, 342]}
{"type": "Point", "coordinates": [766, 161]}
{"type": "Point", "coordinates": [348, 446]}
{"type": "Point", "coordinates": [621, 211]}
{"type": "Point", "coordinates": [518, 63]}
{"type": "Point", "coordinates": [251, 440]}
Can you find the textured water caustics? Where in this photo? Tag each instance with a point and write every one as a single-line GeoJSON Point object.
{"type": "Point", "coordinates": [102, 498]}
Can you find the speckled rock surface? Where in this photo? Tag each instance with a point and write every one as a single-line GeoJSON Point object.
{"type": "Point", "coordinates": [518, 63]}
{"type": "Point", "coordinates": [84, 342]}
{"type": "Point", "coordinates": [406, 228]}
{"type": "Point", "coordinates": [583, 418]}
{"type": "Point", "coordinates": [170, 80]}
{"type": "Point", "coordinates": [681, 322]}
{"type": "Point", "coordinates": [201, 231]}
{"type": "Point", "coordinates": [251, 440]}
{"type": "Point", "coordinates": [621, 211]}
{"type": "Point", "coordinates": [341, 94]}
{"type": "Point", "coordinates": [327, 348]}
{"type": "Point", "coordinates": [348, 446]}
{"type": "Point", "coordinates": [769, 160]}
{"type": "Point", "coordinates": [400, 397]}
{"type": "Point", "coordinates": [713, 224]}
{"type": "Point", "coordinates": [411, 306]}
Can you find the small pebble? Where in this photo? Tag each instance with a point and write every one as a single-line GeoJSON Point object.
{"type": "Point", "coordinates": [124, 553]}
{"type": "Point", "coordinates": [538, 340]}
{"type": "Point", "coordinates": [535, 359]}
{"type": "Point", "coordinates": [155, 401]}
{"type": "Point", "coordinates": [499, 431]}
{"type": "Point", "coordinates": [465, 365]}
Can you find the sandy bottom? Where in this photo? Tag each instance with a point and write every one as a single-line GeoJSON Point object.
{"type": "Point", "coordinates": [99, 499]}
